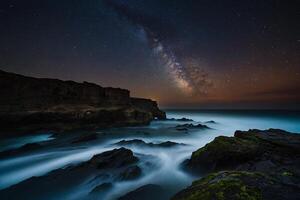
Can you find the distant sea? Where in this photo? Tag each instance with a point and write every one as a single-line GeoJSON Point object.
{"type": "Point", "coordinates": [232, 120]}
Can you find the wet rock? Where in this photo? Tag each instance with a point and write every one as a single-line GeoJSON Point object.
{"type": "Point", "coordinates": [131, 142]}
{"type": "Point", "coordinates": [142, 143]}
{"type": "Point", "coordinates": [104, 187]}
{"type": "Point", "coordinates": [238, 185]}
{"type": "Point", "coordinates": [132, 172]}
{"type": "Point", "coordinates": [146, 192]}
{"type": "Point", "coordinates": [169, 144]}
{"type": "Point", "coordinates": [264, 164]}
{"type": "Point", "coordinates": [181, 119]}
{"type": "Point", "coordinates": [60, 180]}
{"type": "Point", "coordinates": [184, 127]}
{"type": "Point", "coordinates": [210, 122]}
{"type": "Point", "coordinates": [23, 149]}
{"type": "Point", "coordinates": [116, 158]}
{"type": "Point", "coordinates": [85, 138]}
{"type": "Point", "coordinates": [249, 150]}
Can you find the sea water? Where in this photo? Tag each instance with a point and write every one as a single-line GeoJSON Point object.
{"type": "Point", "coordinates": [166, 170]}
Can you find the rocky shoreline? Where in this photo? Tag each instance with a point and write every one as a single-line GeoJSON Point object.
{"type": "Point", "coordinates": [253, 164]}
{"type": "Point", "coordinates": [33, 104]}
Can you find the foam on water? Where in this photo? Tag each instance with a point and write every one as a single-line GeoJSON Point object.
{"type": "Point", "coordinates": [166, 172]}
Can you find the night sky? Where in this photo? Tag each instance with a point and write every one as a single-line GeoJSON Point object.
{"type": "Point", "coordinates": [182, 53]}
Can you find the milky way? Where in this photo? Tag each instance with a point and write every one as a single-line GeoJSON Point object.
{"type": "Point", "coordinates": [187, 77]}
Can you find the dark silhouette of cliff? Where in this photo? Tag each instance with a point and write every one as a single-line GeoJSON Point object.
{"type": "Point", "coordinates": [28, 103]}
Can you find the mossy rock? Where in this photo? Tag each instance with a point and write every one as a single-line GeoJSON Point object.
{"type": "Point", "coordinates": [223, 153]}
{"type": "Point", "coordinates": [227, 185]}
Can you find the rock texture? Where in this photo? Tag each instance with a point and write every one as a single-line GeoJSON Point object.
{"type": "Point", "coordinates": [113, 159]}
{"type": "Point", "coordinates": [139, 142]}
{"type": "Point", "coordinates": [264, 164]}
{"type": "Point", "coordinates": [185, 127]}
{"type": "Point", "coordinates": [238, 185]}
{"type": "Point", "coordinates": [107, 164]}
{"type": "Point", "coordinates": [33, 103]}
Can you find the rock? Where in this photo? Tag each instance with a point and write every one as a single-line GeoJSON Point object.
{"type": "Point", "coordinates": [210, 122]}
{"type": "Point", "coordinates": [238, 185]}
{"type": "Point", "coordinates": [250, 150]}
{"type": "Point", "coordinates": [31, 104]}
{"type": "Point", "coordinates": [150, 106]}
{"type": "Point", "coordinates": [104, 187]}
{"type": "Point", "coordinates": [131, 142]}
{"type": "Point", "coordinates": [264, 164]}
{"type": "Point", "coordinates": [107, 164]}
{"type": "Point", "coordinates": [169, 144]}
{"type": "Point", "coordinates": [185, 120]}
{"type": "Point", "coordinates": [131, 173]}
{"type": "Point", "coordinates": [181, 119]}
{"type": "Point", "coordinates": [146, 192]}
{"type": "Point", "coordinates": [142, 143]}
{"type": "Point", "coordinates": [116, 158]}
{"type": "Point", "coordinates": [85, 138]}
{"type": "Point", "coordinates": [184, 127]}
{"type": "Point", "coordinates": [25, 148]}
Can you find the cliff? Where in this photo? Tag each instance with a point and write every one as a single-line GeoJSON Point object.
{"type": "Point", "coordinates": [28, 103]}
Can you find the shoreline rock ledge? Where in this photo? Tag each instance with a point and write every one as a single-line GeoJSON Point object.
{"type": "Point", "coordinates": [32, 104]}
{"type": "Point", "coordinates": [252, 165]}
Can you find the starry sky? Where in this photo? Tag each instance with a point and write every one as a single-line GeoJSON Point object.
{"type": "Point", "coordinates": [183, 53]}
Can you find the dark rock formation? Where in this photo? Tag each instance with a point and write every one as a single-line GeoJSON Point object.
{"type": "Point", "coordinates": [85, 138]}
{"type": "Point", "coordinates": [181, 119]}
{"type": "Point", "coordinates": [107, 164]}
{"type": "Point", "coordinates": [238, 185]}
{"type": "Point", "coordinates": [131, 173]}
{"type": "Point", "coordinates": [32, 104]}
{"type": "Point", "coordinates": [142, 143]}
{"type": "Point", "coordinates": [146, 192]}
{"type": "Point", "coordinates": [23, 149]}
{"type": "Point", "coordinates": [250, 150]}
{"type": "Point", "coordinates": [184, 127]}
{"type": "Point", "coordinates": [116, 158]}
{"type": "Point", "coordinates": [148, 105]}
{"type": "Point", "coordinates": [266, 165]}
{"type": "Point", "coordinates": [210, 122]}
{"type": "Point", "coordinates": [169, 144]}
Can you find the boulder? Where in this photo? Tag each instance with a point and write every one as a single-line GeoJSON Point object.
{"type": "Point", "coordinates": [131, 173]}
{"type": "Point", "coordinates": [116, 158]}
{"type": "Point", "coordinates": [248, 150]}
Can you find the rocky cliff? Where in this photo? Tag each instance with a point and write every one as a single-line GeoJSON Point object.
{"type": "Point", "coordinates": [28, 103]}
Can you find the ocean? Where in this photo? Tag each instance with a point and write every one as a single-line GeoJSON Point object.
{"type": "Point", "coordinates": [160, 165]}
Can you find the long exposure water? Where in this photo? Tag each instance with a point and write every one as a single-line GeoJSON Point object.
{"type": "Point", "coordinates": [165, 169]}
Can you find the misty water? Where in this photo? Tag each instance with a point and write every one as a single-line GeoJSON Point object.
{"type": "Point", "coordinates": [165, 163]}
